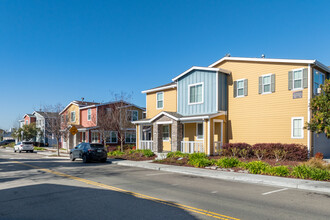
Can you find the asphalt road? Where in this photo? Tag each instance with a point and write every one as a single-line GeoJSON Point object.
{"type": "Point", "coordinates": [35, 187]}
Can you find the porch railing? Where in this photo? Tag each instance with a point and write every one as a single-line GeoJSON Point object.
{"type": "Point", "coordinates": [217, 148]}
{"type": "Point", "coordinates": [192, 146]}
{"type": "Point", "coordinates": [146, 145]}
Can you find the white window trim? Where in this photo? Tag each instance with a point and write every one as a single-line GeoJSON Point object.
{"type": "Point", "coordinates": [89, 113]}
{"type": "Point", "coordinates": [169, 133]}
{"type": "Point", "coordinates": [130, 138]}
{"type": "Point", "coordinates": [197, 131]}
{"type": "Point", "coordinates": [116, 137]}
{"type": "Point", "coordinates": [262, 84]}
{"type": "Point", "coordinates": [302, 129]}
{"type": "Point", "coordinates": [240, 96]}
{"type": "Point", "coordinates": [72, 117]}
{"type": "Point", "coordinates": [302, 79]}
{"type": "Point", "coordinates": [196, 84]}
{"type": "Point", "coordinates": [97, 134]}
{"type": "Point", "coordinates": [159, 100]}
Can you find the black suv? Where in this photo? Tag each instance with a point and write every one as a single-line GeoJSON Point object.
{"type": "Point", "coordinates": [89, 152]}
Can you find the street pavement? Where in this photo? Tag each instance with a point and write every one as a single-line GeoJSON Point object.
{"type": "Point", "coordinates": [34, 186]}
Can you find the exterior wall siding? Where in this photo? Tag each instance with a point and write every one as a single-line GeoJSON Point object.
{"type": "Point", "coordinates": [258, 118]}
{"type": "Point", "coordinates": [209, 93]}
{"type": "Point", "coordinates": [170, 102]}
{"type": "Point", "coordinates": [222, 92]}
{"type": "Point", "coordinates": [84, 117]}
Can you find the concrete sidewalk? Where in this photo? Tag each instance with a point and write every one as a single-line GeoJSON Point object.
{"type": "Point", "coordinates": [232, 176]}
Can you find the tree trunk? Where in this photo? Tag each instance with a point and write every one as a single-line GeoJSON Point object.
{"type": "Point", "coordinates": [121, 144]}
{"type": "Point", "coordinates": [58, 147]}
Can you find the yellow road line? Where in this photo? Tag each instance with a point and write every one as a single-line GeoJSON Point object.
{"type": "Point", "coordinates": [139, 195]}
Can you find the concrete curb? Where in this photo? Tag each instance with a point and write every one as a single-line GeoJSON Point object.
{"type": "Point", "coordinates": [317, 186]}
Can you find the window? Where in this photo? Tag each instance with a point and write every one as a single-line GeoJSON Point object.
{"type": "Point", "coordinates": [266, 80]}
{"type": "Point", "coordinates": [195, 92]}
{"type": "Point", "coordinates": [297, 127]}
{"type": "Point", "coordinates": [160, 100]}
{"type": "Point", "coordinates": [95, 136]}
{"type": "Point", "coordinates": [240, 88]}
{"type": "Point", "coordinates": [73, 116]}
{"type": "Point", "coordinates": [200, 131]}
{"type": "Point", "coordinates": [318, 80]}
{"type": "Point", "coordinates": [113, 137]}
{"type": "Point", "coordinates": [130, 137]}
{"type": "Point", "coordinates": [166, 132]}
{"type": "Point", "coordinates": [297, 79]}
{"type": "Point", "coordinates": [132, 115]}
{"type": "Point", "coordinates": [89, 114]}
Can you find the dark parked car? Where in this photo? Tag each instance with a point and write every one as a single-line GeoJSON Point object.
{"type": "Point", "coordinates": [89, 152]}
{"type": "Point", "coordinates": [5, 142]}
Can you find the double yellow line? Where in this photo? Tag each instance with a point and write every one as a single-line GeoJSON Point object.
{"type": "Point", "coordinates": [138, 195]}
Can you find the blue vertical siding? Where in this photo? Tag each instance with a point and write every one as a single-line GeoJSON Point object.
{"type": "Point", "coordinates": [209, 106]}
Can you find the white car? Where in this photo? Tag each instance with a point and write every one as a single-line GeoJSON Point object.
{"type": "Point", "coordinates": [24, 146]}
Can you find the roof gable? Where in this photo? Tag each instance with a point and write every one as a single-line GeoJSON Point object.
{"type": "Point", "coordinates": [201, 68]}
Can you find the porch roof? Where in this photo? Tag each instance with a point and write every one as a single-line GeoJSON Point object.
{"type": "Point", "coordinates": [178, 117]}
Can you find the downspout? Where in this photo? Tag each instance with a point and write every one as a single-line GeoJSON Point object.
{"type": "Point", "coordinates": [308, 110]}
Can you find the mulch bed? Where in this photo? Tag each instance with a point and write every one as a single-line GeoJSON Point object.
{"type": "Point", "coordinates": [130, 157]}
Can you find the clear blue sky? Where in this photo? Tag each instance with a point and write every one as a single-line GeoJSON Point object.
{"type": "Point", "coordinates": [58, 51]}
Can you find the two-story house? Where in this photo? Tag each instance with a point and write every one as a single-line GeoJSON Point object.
{"type": "Point", "coordinates": [252, 100]}
{"type": "Point", "coordinates": [87, 117]}
{"type": "Point", "coordinates": [42, 121]}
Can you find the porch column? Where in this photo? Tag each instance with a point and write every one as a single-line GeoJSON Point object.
{"type": "Point", "coordinates": [157, 138]}
{"type": "Point", "coordinates": [176, 135]}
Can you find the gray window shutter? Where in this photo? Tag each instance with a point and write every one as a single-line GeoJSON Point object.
{"type": "Point", "coordinates": [305, 78]}
{"type": "Point", "coordinates": [260, 84]}
{"type": "Point", "coordinates": [272, 82]}
{"type": "Point", "coordinates": [245, 87]}
{"type": "Point", "coordinates": [290, 80]}
{"type": "Point", "coordinates": [235, 89]}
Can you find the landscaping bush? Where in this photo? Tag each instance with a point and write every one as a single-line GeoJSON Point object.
{"type": "Point", "coordinates": [176, 154]}
{"type": "Point", "coordinates": [116, 153]}
{"type": "Point", "coordinates": [293, 152]}
{"type": "Point", "coordinates": [319, 155]}
{"type": "Point", "coordinates": [306, 172]}
{"type": "Point", "coordinates": [147, 153]}
{"type": "Point", "coordinates": [227, 162]}
{"type": "Point", "coordinates": [235, 149]}
{"type": "Point", "coordinates": [256, 167]}
{"type": "Point", "coordinates": [277, 171]}
{"type": "Point", "coordinates": [195, 156]}
{"type": "Point", "coordinates": [317, 163]}
{"type": "Point", "coordinates": [200, 162]}
{"type": "Point", "coordinates": [10, 145]}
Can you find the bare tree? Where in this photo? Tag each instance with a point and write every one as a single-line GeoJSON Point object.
{"type": "Point", "coordinates": [120, 118]}
{"type": "Point", "coordinates": [104, 124]}
{"type": "Point", "coordinates": [55, 124]}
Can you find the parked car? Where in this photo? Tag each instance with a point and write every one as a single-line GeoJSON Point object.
{"type": "Point", "coordinates": [5, 142]}
{"type": "Point", "coordinates": [24, 146]}
{"type": "Point", "coordinates": [89, 152]}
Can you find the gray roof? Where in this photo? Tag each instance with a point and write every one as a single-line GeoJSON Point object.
{"type": "Point", "coordinates": [47, 114]}
{"type": "Point", "coordinates": [168, 84]}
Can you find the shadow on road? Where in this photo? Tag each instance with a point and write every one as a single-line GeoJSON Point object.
{"type": "Point", "coordinates": [51, 201]}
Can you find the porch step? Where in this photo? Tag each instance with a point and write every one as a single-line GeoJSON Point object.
{"type": "Point", "coordinates": [161, 156]}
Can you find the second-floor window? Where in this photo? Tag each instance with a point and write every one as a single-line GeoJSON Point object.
{"type": "Point", "coordinates": [195, 92]}
{"type": "Point", "coordinates": [160, 100]}
{"type": "Point", "coordinates": [132, 115]}
{"type": "Point", "coordinates": [240, 88]}
{"type": "Point", "coordinates": [89, 114]}
{"type": "Point", "coordinates": [297, 79]}
{"type": "Point", "coordinates": [319, 79]}
{"type": "Point", "coordinates": [73, 116]}
{"type": "Point", "coordinates": [266, 84]}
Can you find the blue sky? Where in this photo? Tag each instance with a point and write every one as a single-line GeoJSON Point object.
{"type": "Point", "coordinates": [58, 51]}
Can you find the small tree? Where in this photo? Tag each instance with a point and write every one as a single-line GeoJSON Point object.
{"type": "Point", "coordinates": [104, 124]}
{"type": "Point", "coordinates": [26, 132]}
{"type": "Point", "coordinates": [120, 118]}
{"type": "Point", "coordinates": [320, 106]}
{"type": "Point", "coordinates": [54, 122]}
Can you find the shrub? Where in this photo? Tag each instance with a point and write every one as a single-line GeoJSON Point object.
{"type": "Point", "coordinates": [243, 153]}
{"type": "Point", "coordinates": [306, 172]}
{"type": "Point", "coordinates": [279, 154]}
{"type": "Point", "coordinates": [257, 167]}
{"type": "Point", "coordinates": [319, 155]}
{"type": "Point", "coordinates": [317, 163]}
{"type": "Point", "coordinates": [227, 162]}
{"type": "Point", "coordinates": [260, 153]}
{"type": "Point", "coordinates": [227, 149]}
{"type": "Point", "coordinates": [116, 153]}
{"type": "Point", "coordinates": [294, 152]}
{"type": "Point", "coordinates": [200, 162]}
{"type": "Point", "coordinates": [194, 156]}
{"type": "Point", "coordinates": [148, 153]}
{"type": "Point", "coordinates": [277, 171]}
{"type": "Point", "coordinates": [176, 154]}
